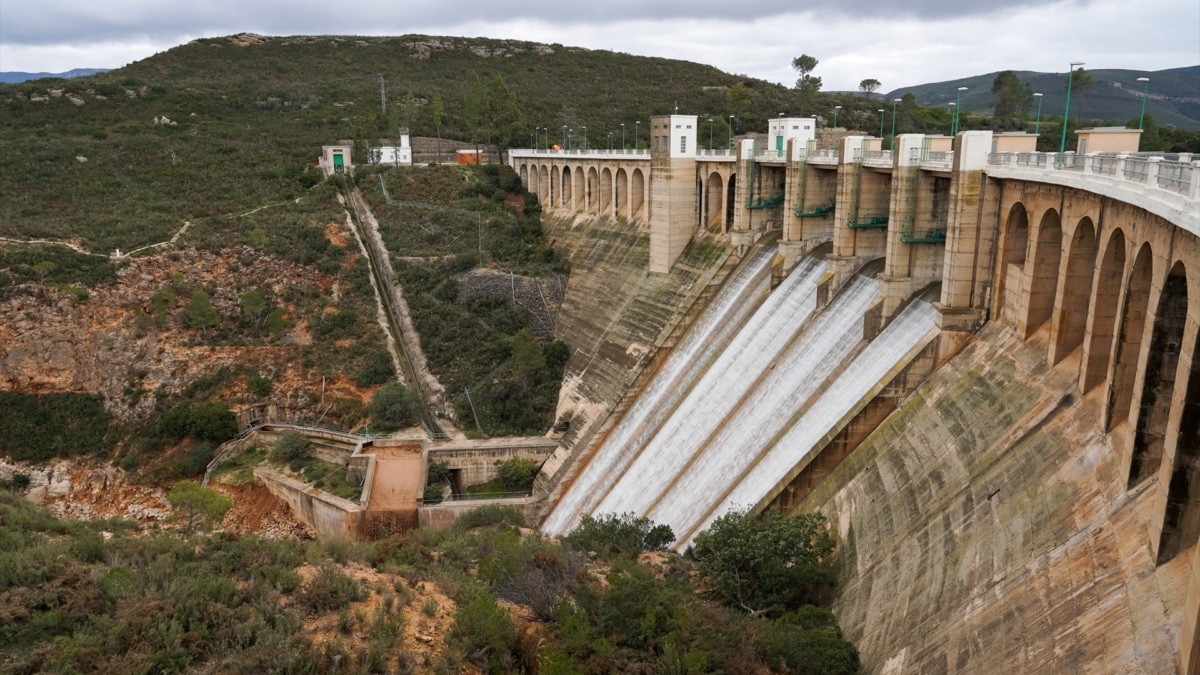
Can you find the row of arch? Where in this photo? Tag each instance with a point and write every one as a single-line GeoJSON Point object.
{"type": "Point", "coordinates": [619, 193]}
{"type": "Point", "coordinates": [1108, 292]}
{"type": "Point", "coordinates": [622, 192]}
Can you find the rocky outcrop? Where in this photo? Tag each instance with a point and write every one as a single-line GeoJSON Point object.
{"type": "Point", "coordinates": [52, 342]}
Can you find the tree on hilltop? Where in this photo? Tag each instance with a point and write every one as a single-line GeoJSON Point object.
{"type": "Point", "coordinates": [869, 86]}
{"type": "Point", "coordinates": [807, 84]}
{"type": "Point", "coordinates": [1010, 96]}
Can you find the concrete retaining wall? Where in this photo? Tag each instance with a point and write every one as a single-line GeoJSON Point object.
{"type": "Point", "coordinates": [438, 516]}
{"type": "Point", "coordinates": [329, 516]}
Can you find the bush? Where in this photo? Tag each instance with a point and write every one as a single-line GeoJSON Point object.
{"type": "Point", "coordinates": [393, 407]}
{"type": "Point", "coordinates": [767, 563]}
{"type": "Point", "coordinates": [628, 534]}
{"type": "Point", "coordinates": [517, 474]}
{"type": "Point", "coordinates": [211, 421]}
{"type": "Point", "coordinates": [292, 446]}
{"type": "Point", "coordinates": [377, 369]}
{"type": "Point", "coordinates": [489, 516]}
{"type": "Point", "coordinates": [197, 504]}
{"type": "Point", "coordinates": [486, 632]}
{"type": "Point", "coordinates": [260, 386]}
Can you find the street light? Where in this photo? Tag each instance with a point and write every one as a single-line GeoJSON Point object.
{"type": "Point", "coordinates": [635, 134]}
{"type": "Point", "coordinates": [1038, 124]}
{"type": "Point", "coordinates": [564, 136]}
{"type": "Point", "coordinates": [731, 133]}
{"type": "Point", "coordinates": [570, 133]}
{"type": "Point", "coordinates": [1145, 91]}
{"type": "Point", "coordinates": [710, 132]}
{"type": "Point", "coordinates": [610, 141]}
{"type": "Point", "coordinates": [881, 111]}
{"type": "Point", "coordinates": [585, 140]}
{"type": "Point", "coordinates": [836, 108]}
{"type": "Point", "coordinates": [1062, 143]}
{"type": "Point", "coordinates": [957, 105]}
{"type": "Point", "coordinates": [894, 102]}
{"type": "Point", "coordinates": [953, 106]}
{"type": "Point", "coordinates": [622, 137]}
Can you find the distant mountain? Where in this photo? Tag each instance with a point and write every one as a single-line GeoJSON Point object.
{"type": "Point", "coordinates": [1174, 97]}
{"type": "Point", "coordinates": [15, 76]}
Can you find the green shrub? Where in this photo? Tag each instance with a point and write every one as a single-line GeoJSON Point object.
{"type": "Point", "coordinates": [260, 386]}
{"type": "Point", "coordinates": [491, 515]}
{"type": "Point", "coordinates": [486, 632]}
{"type": "Point", "coordinates": [393, 407]}
{"type": "Point", "coordinates": [38, 427]}
{"type": "Point", "coordinates": [611, 535]}
{"type": "Point", "coordinates": [292, 445]}
{"type": "Point", "coordinates": [517, 474]}
{"type": "Point", "coordinates": [378, 369]}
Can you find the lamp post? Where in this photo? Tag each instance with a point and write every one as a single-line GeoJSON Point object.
{"type": "Point", "coordinates": [881, 111]}
{"type": "Point", "coordinates": [610, 141]}
{"type": "Point", "coordinates": [953, 109]}
{"type": "Point", "coordinates": [731, 133]}
{"type": "Point", "coordinates": [564, 137]}
{"type": "Point", "coordinates": [893, 143]}
{"type": "Point", "coordinates": [1038, 124]}
{"type": "Point", "coordinates": [957, 112]}
{"type": "Point", "coordinates": [1062, 143]}
{"type": "Point", "coordinates": [585, 140]}
{"type": "Point", "coordinates": [635, 134]}
{"type": "Point", "coordinates": [1145, 90]}
{"type": "Point", "coordinates": [622, 137]}
{"type": "Point", "coordinates": [570, 133]}
{"type": "Point", "coordinates": [710, 134]}
{"type": "Point", "coordinates": [836, 108]}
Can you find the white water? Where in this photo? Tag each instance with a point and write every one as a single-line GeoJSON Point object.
{"type": "Point", "coordinates": [709, 403]}
{"type": "Point", "coordinates": [775, 397]}
{"type": "Point", "coordinates": [717, 324]}
{"type": "Point", "coordinates": [741, 402]}
{"type": "Point", "coordinates": [914, 327]}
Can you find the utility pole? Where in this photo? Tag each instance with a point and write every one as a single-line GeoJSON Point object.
{"type": "Point", "coordinates": [382, 95]}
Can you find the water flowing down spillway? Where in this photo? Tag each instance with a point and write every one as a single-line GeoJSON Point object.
{"type": "Point", "coordinates": [713, 432]}
{"type": "Point", "coordinates": [707, 338]}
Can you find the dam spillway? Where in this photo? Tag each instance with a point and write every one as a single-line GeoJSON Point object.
{"type": "Point", "coordinates": [742, 401]}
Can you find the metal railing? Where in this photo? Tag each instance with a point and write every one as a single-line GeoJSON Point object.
{"type": "Point", "coordinates": [1175, 176]}
{"type": "Point", "coordinates": [1070, 162]}
{"type": "Point", "coordinates": [938, 156]}
{"type": "Point", "coordinates": [1105, 165]}
{"type": "Point", "coordinates": [1136, 169]}
{"type": "Point", "coordinates": [878, 156]}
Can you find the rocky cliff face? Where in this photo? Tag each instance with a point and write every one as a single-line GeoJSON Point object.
{"type": "Point", "coordinates": [51, 342]}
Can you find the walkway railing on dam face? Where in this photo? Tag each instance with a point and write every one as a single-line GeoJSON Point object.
{"type": "Point", "coordinates": [579, 153]}
{"type": "Point", "coordinates": [1166, 185]}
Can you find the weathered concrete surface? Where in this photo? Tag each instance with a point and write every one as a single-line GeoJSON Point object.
{"type": "Point", "coordinates": [478, 461]}
{"type": "Point", "coordinates": [615, 316]}
{"type": "Point", "coordinates": [986, 528]}
{"type": "Point", "coordinates": [331, 517]}
{"type": "Point", "coordinates": [439, 516]}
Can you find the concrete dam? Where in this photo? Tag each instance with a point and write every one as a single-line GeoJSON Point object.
{"type": "Point", "coordinates": [977, 360]}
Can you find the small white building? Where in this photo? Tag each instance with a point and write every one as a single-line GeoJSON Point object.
{"type": "Point", "coordinates": [335, 159]}
{"type": "Point", "coordinates": [396, 155]}
{"type": "Point", "coordinates": [780, 130]}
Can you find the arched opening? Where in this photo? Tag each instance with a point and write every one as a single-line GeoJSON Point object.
{"type": "Point", "coordinates": [1072, 307]}
{"type": "Point", "coordinates": [1129, 344]}
{"type": "Point", "coordinates": [622, 194]}
{"type": "Point", "coordinates": [535, 183]}
{"type": "Point", "coordinates": [714, 202]}
{"type": "Point", "coordinates": [1181, 521]}
{"type": "Point", "coordinates": [637, 194]}
{"type": "Point", "coordinates": [730, 199]}
{"type": "Point", "coordinates": [606, 190]}
{"type": "Point", "coordinates": [1098, 353]}
{"type": "Point", "coordinates": [555, 177]}
{"type": "Point", "coordinates": [1012, 262]}
{"type": "Point", "coordinates": [593, 182]}
{"type": "Point", "coordinates": [566, 188]}
{"type": "Point", "coordinates": [525, 177]}
{"type": "Point", "coordinates": [1158, 384]}
{"type": "Point", "coordinates": [580, 190]}
{"type": "Point", "coordinates": [1043, 282]}
{"type": "Point", "coordinates": [544, 189]}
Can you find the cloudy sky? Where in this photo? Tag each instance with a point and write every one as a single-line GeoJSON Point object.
{"type": "Point", "coordinates": [896, 42]}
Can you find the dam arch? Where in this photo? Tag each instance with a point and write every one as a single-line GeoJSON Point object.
{"type": "Point", "coordinates": [1043, 277]}
{"type": "Point", "coordinates": [1129, 345]}
{"type": "Point", "coordinates": [1012, 262]}
{"type": "Point", "coordinates": [1158, 380]}
{"type": "Point", "coordinates": [1103, 312]}
{"type": "Point", "coordinates": [606, 192]}
{"type": "Point", "coordinates": [565, 192]}
{"type": "Point", "coordinates": [622, 194]}
{"type": "Point", "coordinates": [1181, 518]}
{"type": "Point", "coordinates": [580, 203]}
{"type": "Point", "coordinates": [637, 193]}
{"type": "Point", "coordinates": [714, 209]}
{"type": "Point", "coordinates": [1071, 311]}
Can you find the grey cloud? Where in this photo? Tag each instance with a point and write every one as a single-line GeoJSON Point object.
{"type": "Point", "coordinates": [76, 21]}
